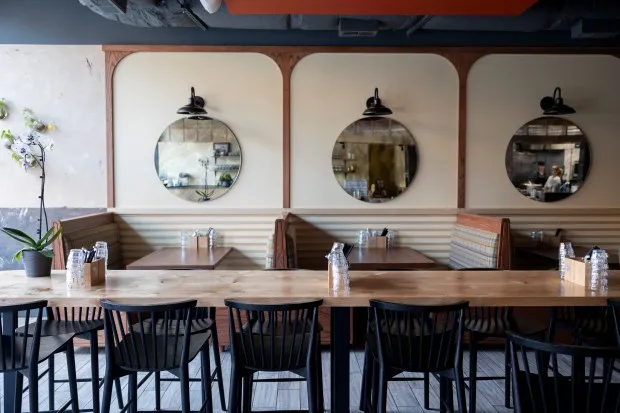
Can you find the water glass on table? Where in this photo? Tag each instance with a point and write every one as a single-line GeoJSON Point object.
{"type": "Point", "coordinates": [75, 268]}
{"type": "Point", "coordinates": [101, 248]}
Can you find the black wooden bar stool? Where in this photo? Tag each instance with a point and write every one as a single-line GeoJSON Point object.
{"type": "Point", "coordinates": [204, 322]}
{"type": "Point", "coordinates": [542, 384]}
{"type": "Point", "coordinates": [416, 339]}
{"type": "Point", "coordinates": [21, 352]}
{"type": "Point", "coordinates": [84, 323]}
{"type": "Point", "coordinates": [158, 339]}
{"type": "Point", "coordinates": [276, 338]}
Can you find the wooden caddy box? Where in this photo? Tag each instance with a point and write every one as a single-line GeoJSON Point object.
{"type": "Point", "coordinates": [94, 273]}
{"type": "Point", "coordinates": [377, 242]}
{"type": "Point", "coordinates": [577, 271]}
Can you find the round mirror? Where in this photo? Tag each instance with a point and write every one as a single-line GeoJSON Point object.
{"type": "Point", "coordinates": [375, 159]}
{"type": "Point", "coordinates": [548, 159]}
{"type": "Point", "coordinates": [198, 159]}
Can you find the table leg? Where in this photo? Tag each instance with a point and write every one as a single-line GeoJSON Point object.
{"type": "Point", "coordinates": [8, 324]}
{"type": "Point", "coordinates": [340, 332]}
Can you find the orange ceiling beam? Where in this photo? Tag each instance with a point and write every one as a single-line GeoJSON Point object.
{"type": "Point", "coordinates": [382, 7]}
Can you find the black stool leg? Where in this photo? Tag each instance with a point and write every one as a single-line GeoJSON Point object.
{"type": "Point", "coordinates": [473, 370]}
{"type": "Point", "coordinates": [119, 394]}
{"type": "Point", "coordinates": [51, 382]}
{"type": "Point", "coordinates": [19, 389]}
{"type": "Point", "coordinates": [133, 393]}
{"type": "Point", "coordinates": [234, 391]}
{"type": "Point", "coordinates": [507, 374]}
{"type": "Point", "coordinates": [383, 389]}
{"type": "Point", "coordinates": [218, 366]}
{"type": "Point", "coordinates": [184, 381]}
{"type": "Point", "coordinates": [460, 390]}
{"type": "Point", "coordinates": [319, 383]}
{"type": "Point", "coordinates": [94, 369]}
{"type": "Point", "coordinates": [75, 405]}
{"type": "Point", "coordinates": [107, 392]}
{"type": "Point", "coordinates": [157, 390]}
{"type": "Point", "coordinates": [207, 394]}
{"type": "Point", "coordinates": [427, 391]}
{"type": "Point", "coordinates": [246, 390]}
{"type": "Point", "coordinates": [33, 388]}
{"type": "Point", "coordinates": [366, 380]}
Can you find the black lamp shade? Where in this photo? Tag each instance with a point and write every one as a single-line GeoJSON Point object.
{"type": "Point", "coordinates": [194, 107]}
{"type": "Point", "coordinates": [555, 105]}
{"type": "Point", "coordinates": [374, 106]}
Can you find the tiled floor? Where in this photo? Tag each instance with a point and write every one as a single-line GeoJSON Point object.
{"type": "Point", "coordinates": [403, 397]}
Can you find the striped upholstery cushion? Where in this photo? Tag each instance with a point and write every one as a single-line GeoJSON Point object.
{"type": "Point", "coordinates": [473, 248]}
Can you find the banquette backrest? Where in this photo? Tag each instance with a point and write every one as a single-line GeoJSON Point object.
{"type": "Point", "coordinates": [480, 242]}
{"type": "Point", "coordinates": [84, 231]}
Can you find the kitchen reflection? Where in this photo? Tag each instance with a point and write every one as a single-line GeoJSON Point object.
{"type": "Point", "coordinates": [548, 159]}
{"type": "Point", "coordinates": [375, 159]}
{"type": "Point", "coordinates": [198, 159]}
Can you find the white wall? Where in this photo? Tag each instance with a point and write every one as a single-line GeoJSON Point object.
{"type": "Point", "coordinates": [504, 92]}
{"type": "Point", "coordinates": [329, 91]}
{"type": "Point", "coordinates": [243, 90]}
{"type": "Point", "coordinates": [64, 85]}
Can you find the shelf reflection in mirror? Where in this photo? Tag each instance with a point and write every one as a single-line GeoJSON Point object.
{"type": "Point", "coordinates": [197, 158]}
{"type": "Point", "coordinates": [375, 159]}
{"type": "Point", "coordinates": [548, 159]}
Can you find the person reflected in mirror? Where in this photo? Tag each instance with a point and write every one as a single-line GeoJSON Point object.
{"type": "Point", "coordinates": [539, 176]}
{"type": "Point", "coordinates": [554, 182]}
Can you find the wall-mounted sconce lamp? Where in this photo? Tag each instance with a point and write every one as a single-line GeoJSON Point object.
{"type": "Point", "coordinates": [555, 105]}
{"type": "Point", "coordinates": [374, 106]}
{"type": "Point", "coordinates": [194, 107]}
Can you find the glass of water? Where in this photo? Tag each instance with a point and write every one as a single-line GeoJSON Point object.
{"type": "Point", "coordinates": [75, 268]}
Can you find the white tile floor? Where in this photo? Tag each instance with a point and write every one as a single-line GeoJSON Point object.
{"type": "Point", "coordinates": [403, 396]}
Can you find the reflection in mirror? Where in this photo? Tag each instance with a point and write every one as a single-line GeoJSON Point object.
{"type": "Point", "coordinates": [375, 159]}
{"type": "Point", "coordinates": [548, 159]}
{"type": "Point", "coordinates": [198, 159]}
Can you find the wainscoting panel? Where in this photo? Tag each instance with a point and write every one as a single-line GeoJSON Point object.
{"type": "Point", "coordinates": [426, 232]}
{"type": "Point", "coordinates": [246, 233]}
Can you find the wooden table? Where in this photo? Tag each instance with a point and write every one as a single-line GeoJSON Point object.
{"type": "Point", "coordinates": [480, 288]}
{"type": "Point", "coordinates": [399, 258]}
{"type": "Point", "coordinates": [181, 259]}
{"type": "Point", "coordinates": [551, 254]}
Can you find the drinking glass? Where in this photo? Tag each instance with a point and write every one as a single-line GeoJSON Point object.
{"type": "Point", "coordinates": [391, 235]}
{"type": "Point", "coordinates": [75, 268]}
{"type": "Point", "coordinates": [101, 253]}
{"type": "Point", "coordinates": [184, 239]}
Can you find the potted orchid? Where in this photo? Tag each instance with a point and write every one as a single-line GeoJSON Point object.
{"type": "Point", "coordinates": [30, 151]}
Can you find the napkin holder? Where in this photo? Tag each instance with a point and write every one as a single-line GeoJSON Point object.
{"type": "Point", "coordinates": [577, 271]}
{"type": "Point", "coordinates": [201, 242]}
{"type": "Point", "coordinates": [94, 273]}
{"type": "Point", "coordinates": [377, 241]}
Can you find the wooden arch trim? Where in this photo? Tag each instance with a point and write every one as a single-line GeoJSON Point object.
{"type": "Point", "coordinates": [287, 57]}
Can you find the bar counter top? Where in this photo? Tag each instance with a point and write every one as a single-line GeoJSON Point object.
{"type": "Point", "coordinates": [210, 288]}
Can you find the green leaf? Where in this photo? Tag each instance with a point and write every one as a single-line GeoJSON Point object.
{"type": "Point", "coordinates": [48, 253]}
{"type": "Point", "coordinates": [18, 254]}
{"type": "Point", "coordinates": [20, 236]}
{"type": "Point", "coordinates": [44, 237]}
{"type": "Point", "coordinates": [51, 240]}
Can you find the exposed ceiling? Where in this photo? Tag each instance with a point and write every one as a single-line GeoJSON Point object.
{"type": "Point", "coordinates": [579, 19]}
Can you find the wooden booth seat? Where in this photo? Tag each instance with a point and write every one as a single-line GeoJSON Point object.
{"type": "Point", "coordinates": [84, 232]}
{"type": "Point", "coordinates": [480, 242]}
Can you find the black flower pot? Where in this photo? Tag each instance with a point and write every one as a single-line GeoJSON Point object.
{"type": "Point", "coordinates": [36, 264]}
